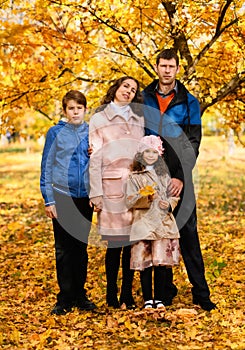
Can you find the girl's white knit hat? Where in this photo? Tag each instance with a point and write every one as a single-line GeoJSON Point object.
{"type": "Point", "coordinates": [151, 142]}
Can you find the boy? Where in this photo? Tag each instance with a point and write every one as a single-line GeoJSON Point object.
{"type": "Point", "coordinates": [64, 186]}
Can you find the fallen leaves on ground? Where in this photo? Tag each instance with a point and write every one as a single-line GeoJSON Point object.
{"type": "Point", "coordinates": [28, 281]}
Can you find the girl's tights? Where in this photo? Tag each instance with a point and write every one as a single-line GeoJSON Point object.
{"type": "Point", "coordinates": [146, 282]}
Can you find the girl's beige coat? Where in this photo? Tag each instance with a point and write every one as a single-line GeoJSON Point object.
{"type": "Point", "coordinates": [150, 222]}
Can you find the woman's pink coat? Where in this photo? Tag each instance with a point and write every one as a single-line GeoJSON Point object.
{"type": "Point", "coordinates": [114, 142]}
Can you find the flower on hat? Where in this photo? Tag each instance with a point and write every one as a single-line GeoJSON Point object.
{"type": "Point", "coordinates": [151, 141]}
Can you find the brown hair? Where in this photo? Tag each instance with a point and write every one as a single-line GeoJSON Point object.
{"type": "Point", "coordinates": [111, 93]}
{"type": "Point", "coordinates": [168, 54]}
{"type": "Point", "coordinates": [76, 96]}
{"type": "Point", "coordinates": [139, 164]}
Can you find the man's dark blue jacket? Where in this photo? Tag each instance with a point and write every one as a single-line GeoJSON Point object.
{"type": "Point", "coordinates": [179, 127]}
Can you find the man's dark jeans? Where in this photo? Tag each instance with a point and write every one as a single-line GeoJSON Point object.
{"type": "Point", "coordinates": [192, 256]}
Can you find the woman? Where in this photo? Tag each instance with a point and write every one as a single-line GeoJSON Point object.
{"type": "Point", "coordinates": [114, 132]}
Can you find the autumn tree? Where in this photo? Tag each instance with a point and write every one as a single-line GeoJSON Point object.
{"type": "Point", "coordinates": [48, 47]}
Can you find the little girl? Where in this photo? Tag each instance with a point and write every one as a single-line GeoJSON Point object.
{"type": "Point", "coordinates": [154, 233]}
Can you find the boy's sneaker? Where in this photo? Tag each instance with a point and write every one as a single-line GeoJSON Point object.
{"type": "Point", "coordinates": [85, 304]}
{"type": "Point", "coordinates": [60, 309]}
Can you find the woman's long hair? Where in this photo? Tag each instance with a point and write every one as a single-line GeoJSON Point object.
{"type": "Point", "coordinates": [139, 164]}
{"type": "Point", "coordinates": [111, 93]}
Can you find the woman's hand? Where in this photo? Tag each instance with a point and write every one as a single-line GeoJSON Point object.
{"type": "Point", "coordinates": [51, 211]}
{"type": "Point", "coordinates": [90, 150]}
{"type": "Point", "coordinates": [97, 203]}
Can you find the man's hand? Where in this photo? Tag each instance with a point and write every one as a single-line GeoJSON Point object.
{"type": "Point", "coordinates": [51, 211]}
{"type": "Point", "coordinates": [97, 203]}
{"type": "Point", "coordinates": [175, 187]}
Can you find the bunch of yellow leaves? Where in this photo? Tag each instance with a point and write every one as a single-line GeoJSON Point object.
{"type": "Point", "coordinates": [147, 190]}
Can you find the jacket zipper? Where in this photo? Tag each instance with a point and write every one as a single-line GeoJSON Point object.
{"type": "Point", "coordinates": [78, 156]}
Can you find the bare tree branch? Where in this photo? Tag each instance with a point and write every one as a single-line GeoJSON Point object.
{"type": "Point", "coordinates": [43, 113]}
{"type": "Point", "coordinates": [180, 41]}
{"type": "Point", "coordinates": [239, 138]}
{"type": "Point", "coordinates": [190, 69]}
{"type": "Point", "coordinates": [123, 32]}
{"type": "Point", "coordinates": [136, 59]}
{"type": "Point", "coordinates": [222, 16]}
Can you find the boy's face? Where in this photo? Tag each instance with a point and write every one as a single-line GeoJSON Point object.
{"type": "Point", "coordinates": [74, 112]}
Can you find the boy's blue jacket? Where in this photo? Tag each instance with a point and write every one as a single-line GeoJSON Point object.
{"type": "Point", "coordinates": [65, 160]}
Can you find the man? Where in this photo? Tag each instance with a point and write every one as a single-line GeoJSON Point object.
{"type": "Point", "coordinates": [174, 114]}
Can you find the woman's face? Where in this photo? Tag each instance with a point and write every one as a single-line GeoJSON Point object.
{"type": "Point", "coordinates": [126, 92]}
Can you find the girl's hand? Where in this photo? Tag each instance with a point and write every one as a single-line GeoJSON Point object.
{"type": "Point", "coordinates": [51, 211]}
{"type": "Point", "coordinates": [151, 197]}
{"type": "Point", "coordinates": [163, 204]}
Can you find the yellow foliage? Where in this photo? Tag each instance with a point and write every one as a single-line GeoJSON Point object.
{"type": "Point", "coordinates": [56, 46]}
